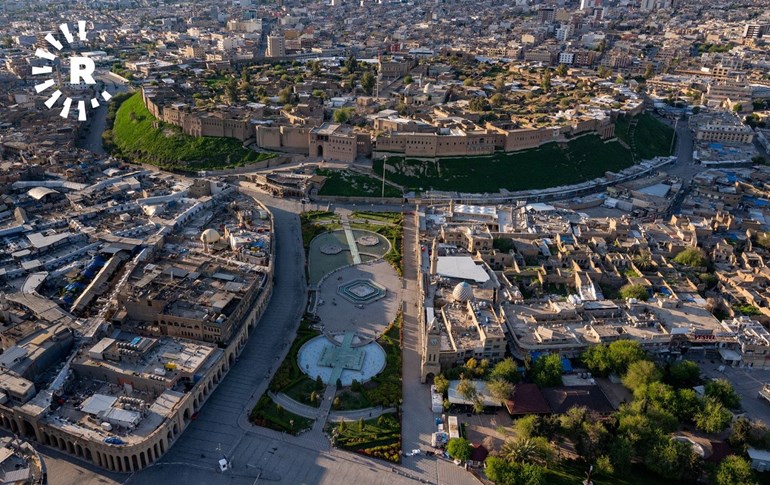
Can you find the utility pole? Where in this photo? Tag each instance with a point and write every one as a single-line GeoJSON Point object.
{"type": "Point", "coordinates": [384, 162]}
{"type": "Point", "coordinates": [673, 136]}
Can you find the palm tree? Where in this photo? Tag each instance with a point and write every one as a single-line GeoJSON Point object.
{"type": "Point", "coordinates": [643, 261]}
{"type": "Point", "coordinates": [528, 450]}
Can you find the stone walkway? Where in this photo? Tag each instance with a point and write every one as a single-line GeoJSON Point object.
{"type": "Point", "coordinates": [310, 412]}
{"type": "Point", "coordinates": [351, 240]}
{"type": "Point", "coordinates": [326, 407]}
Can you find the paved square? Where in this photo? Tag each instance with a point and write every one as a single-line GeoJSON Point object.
{"type": "Point", "coordinates": [346, 313]}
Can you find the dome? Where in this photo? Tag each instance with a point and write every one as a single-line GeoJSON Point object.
{"type": "Point", "coordinates": [210, 236]}
{"type": "Point", "coordinates": [463, 292]}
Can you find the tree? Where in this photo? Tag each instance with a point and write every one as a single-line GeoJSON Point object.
{"type": "Point", "coordinates": [537, 450]}
{"type": "Point", "coordinates": [350, 63]}
{"type": "Point", "coordinates": [500, 389]}
{"type": "Point", "coordinates": [341, 115]}
{"type": "Point", "coordinates": [467, 389]}
{"type": "Point", "coordinates": [546, 371]}
{"type": "Point", "coordinates": [722, 391]}
{"type": "Point", "coordinates": [497, 100]}
{"type": "Point", "coordinates": [284, 95]}
{"type": "Point", "coordinates": [545, 81]}
{"type": "Point", "coordinates": [231, 90]}
{"type": "Point", "coordinates": [408, 80]}
{"type": "Point", "coordinates": [479, 103]}
{"type": "Point", "coordinates": [714, 417]}
{"type": "Point", "coordinates": [367, 83]}
{"type": "Point", "coordinates": [693, 257]}
{"type": "Point", "coordinates": [638, 292]}
{"type": "Point", "coordinates": [597, 359]}
{"type": "Point", "coordinates": [738, 108]}
{"type": "Point", "coordinates": [674, 460]}
{"type": "Point", "coordinates": [640, 374]}
{"type": "Point", "coordinates": [687, 404]}
{"type": "Point", "coordinates": [503, 472]}
{"type": "Point", "coordinates": [500, 84]}
{"type": "Point", "coordinates": [740, 433]}
{"type": "Point", "coordinates": [623, 353]}
{"type": "Point", "coordinates": [468, 82]}
{"type": "Point", "coordinates": [649, 71]}
{"type": "Point", "coordinates": [506, 369]}
{"type": "Point", "coordinates": [604, 72]}
{"type": "Point", "coordinates": [643, 260]}
{"type": "Point", "coordinates": [684, 373]}
{"type": "Point", "coordinates": [472, 363]}
{"type": "Point", "coordinates": [734, 470]}
{"type": "Point", "coordinates": [561, 70]}
{"type": "Point", "coordinates": [459, 449]}
{"type": "Point", "coordinates": [441, 383]}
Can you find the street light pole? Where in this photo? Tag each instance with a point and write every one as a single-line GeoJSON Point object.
{"type": "Point", "coordinates": [384, 162]}
{"type": "Point", "coordinates": [673, 136]}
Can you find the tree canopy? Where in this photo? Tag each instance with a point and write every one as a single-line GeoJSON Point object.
{"type": "Point", "coordinates": [504, 472]}
{"type": "Point", "coordinates": [714, 417]}
{"type": "Point", "coordinates": [638, 292]}
{"type": "Point", "coordinates": [640, 374]}
{"type": "Point", "coordinates": [613, 358]}
{"type": "Point", "coordinates": [722, 391]}
{"type": "Point", "coordinates": [506, 369]}
{"type": "Point", "coordinates": [684, 373]}
{"type": "Point", "coordinates": [459, 449]}
{"type": "Point", "coordinates": [546, 371]}
{"type": "Point", "coordinates": [693, 257]}
{"type": "Point", "coordinates": [734, 470]}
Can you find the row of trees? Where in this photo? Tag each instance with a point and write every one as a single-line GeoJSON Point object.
{"type": "Point", "coordinates": [640, 432]}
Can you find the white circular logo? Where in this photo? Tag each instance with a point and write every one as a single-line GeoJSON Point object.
{"type": "Point", "coordinates": [81, 72]}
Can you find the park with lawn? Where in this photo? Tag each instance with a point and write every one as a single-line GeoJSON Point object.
{"type": "Point", "coordinates": [583, 158]}
{"type": "Point", "coordinates": [347, 183]}
{"type": "Point", "coordinates": [647, 136]}
{"type": "Point", "coordinates": [138, 136]}
{"type": "Point", "coordinates": [379, 437]}
{"type": "Point", "coordinates": [577, 160]}
{"type": "Point", "coordinates": [291, 381]}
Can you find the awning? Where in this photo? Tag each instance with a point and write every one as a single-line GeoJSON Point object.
{"type": "Point", "coordinates": [730, 355]}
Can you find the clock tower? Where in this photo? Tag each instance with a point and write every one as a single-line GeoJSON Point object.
{"type": "Point", "coordinates": [431, 346]}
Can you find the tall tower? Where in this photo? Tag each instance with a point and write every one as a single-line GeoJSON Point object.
{"type": "Point", "coordinates": [429, 362]}
{"type": "Point", "coordinates": [276, 46]}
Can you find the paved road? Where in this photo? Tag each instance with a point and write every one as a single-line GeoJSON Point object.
{"type": "Point", "coordinates": [418, 418]}
{"type": "Point", "coordinates": [98, 120]}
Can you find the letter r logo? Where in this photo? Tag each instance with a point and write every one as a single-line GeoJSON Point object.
{"type": "Point", "coordinates": [82, 68]}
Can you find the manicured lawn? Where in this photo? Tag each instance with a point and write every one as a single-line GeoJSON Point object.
{"type": "Point", "coordinates": [311, 225]}
{"type": "Point", "coordinates": [348, 399]}
{"type": "Point", "coordinates": [389, 217]}
{"type": "Point", "coordinates": [290, 379]}
{"type": "Point", "coordinates": [393, 231]}
{"type": "Point", "coordinates": [572, 472]}
{"type": "Point", "coordinates": [385, 388]}
{"type": "Point", "coordinates": [137, 134]}
{"type": "Point", "coordinates": [346, 183]}
{"type": "Point", "coordinates": [269, 415]}
{"type": "Point", "coordinates": [379, 437]}
{"type": "Point", "coordinates": [551, 165]}
{"type": "Point", "coordinates": [651, 138]}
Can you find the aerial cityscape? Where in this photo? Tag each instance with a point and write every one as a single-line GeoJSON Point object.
{"type": "Point", "coordinates": [447, 242]}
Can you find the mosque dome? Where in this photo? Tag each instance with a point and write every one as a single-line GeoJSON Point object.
{"type": "Point", "coordinates": [210, 236]}
{"type": "Point", "coordinates": [463, 292]}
